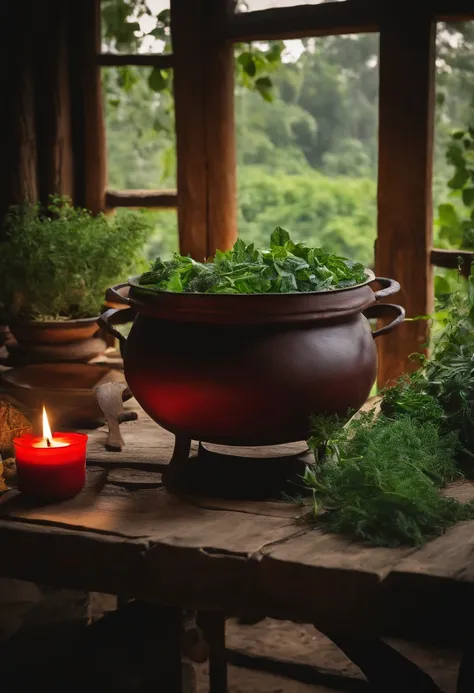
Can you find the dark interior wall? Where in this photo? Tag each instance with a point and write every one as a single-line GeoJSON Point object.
{"type": "Point", "coordinates": [51, 108]}
{"type": "Point", "coordinates": [18, 162]}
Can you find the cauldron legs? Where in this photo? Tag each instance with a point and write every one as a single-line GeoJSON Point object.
{"type": "Point", "coordinates": [227, 475]}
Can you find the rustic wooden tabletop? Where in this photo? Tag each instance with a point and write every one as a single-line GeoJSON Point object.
{"type": "Point", "coordinates": [127, 534]}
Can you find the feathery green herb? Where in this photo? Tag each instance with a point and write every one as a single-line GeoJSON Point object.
{"type": "Point", "coordinates": [379, 478]}
{"type": "Point", "coordinates": [56, 263]}
{"type": "Point", "coordinates": [286, 267]}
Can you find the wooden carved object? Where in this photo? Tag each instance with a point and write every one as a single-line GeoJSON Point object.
{"type": "Point", "coordinates": [14, 421]}
{"type": "Point", "coordinates": [110, 396]}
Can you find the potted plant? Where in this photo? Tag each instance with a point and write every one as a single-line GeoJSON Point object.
{"type": "Point", "coordinates": [55, 264]}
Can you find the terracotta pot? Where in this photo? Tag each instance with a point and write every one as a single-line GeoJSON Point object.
{"type": "Point", "coordinates": [53, 331]}
{"type": "Point", "coordinates": [250, 369]}
{"type": "Point", "coordinates": [67, 389]}
{"type": "Point", "coordinates": [55, 341]}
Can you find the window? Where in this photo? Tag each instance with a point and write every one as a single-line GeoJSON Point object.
{"type": "Point", "coordinates": [307, 159]}
{"type": "Point", "coordinates": [136, 76]}
{"type": "Point", "coordinates": [202, 69]}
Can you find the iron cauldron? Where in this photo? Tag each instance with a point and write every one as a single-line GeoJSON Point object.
{"type": "Point", "coordinates": [250, 369]}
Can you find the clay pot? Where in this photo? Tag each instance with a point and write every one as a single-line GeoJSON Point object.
{"type": "Point", "coordinates": [250, 369]}
{"type": "Point", "coordinates": [55, 340]}
{"type": "Point", "coordinates": [38, 332]}
{"type": "Point", "coordinates": [68, 390]}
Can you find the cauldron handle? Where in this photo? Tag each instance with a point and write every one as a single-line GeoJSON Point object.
{"type": "Point", "coordinates": [113, 294]}
{"type": "Point", "coordinates": [117, 316]}
{"type": "Point", "coordinates": [389, 287]}
{"type": "Point", "coordinates": [379, 310]}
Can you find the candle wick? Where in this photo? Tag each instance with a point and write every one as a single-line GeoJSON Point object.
{"type": "Point", "coordinates": [48, 442]}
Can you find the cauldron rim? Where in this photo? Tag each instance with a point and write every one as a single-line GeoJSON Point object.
{"type": "Point", "coordinates": [133, 283]}
{"type": "Point", "coordinates": [241, 309]}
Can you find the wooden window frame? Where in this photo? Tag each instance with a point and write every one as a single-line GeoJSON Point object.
{"type": "Point", "coordinates": [202, 59]}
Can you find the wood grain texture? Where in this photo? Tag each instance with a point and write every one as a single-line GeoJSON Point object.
{"type": "Point", "coordinates": [127, 534]}
{"type": "Point", "coordinates": [160, 61]}
{"type": "Point", "coordinates": [52, 101]}
{"type": "Point", "coordinates": [188, 86]}
{"type": "Point", "coordinates": [406, 110]}
{"type": "Point", "coordinates": [219, 131]}
{"type": "Point", "coordinates": [450, 259]}
{"type": "Point", "coordinates": [353, 17]}
{"type": "Point", "coordinates": [18, 175]}
{"type": "Point", "coordinates": [90, 169]}
{"type": "Point", "coordinates": [151, 199]}
{"type": "Point", "coordinates": [204, 114]}
{"type": "Point", "coordinates": [304, 20]}
{"type": "Point", "coordinates": [453, 10]}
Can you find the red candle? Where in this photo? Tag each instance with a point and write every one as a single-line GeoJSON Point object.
{"type": "Point", "coordinates": [51, 467]}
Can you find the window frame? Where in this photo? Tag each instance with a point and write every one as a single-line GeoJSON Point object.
{"type": "Point", "coordinates": [203, 35]}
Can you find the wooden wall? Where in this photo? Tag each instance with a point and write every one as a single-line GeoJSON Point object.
{"type": "Point", "coordinates": [52, 138]}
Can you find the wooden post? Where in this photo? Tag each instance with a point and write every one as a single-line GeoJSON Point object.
{"type": "Point", "coordinates": [90, 170]}
{"type": "Point", "coordinates": [204, 108]}
{"type": "Point", "coordinates": [53, 116]}
{"type": "Point", "coordinates": [18, 179]}
{"type": "Point", "coordinates": [213, 625]}
{"type": "Point", "coordinates": [406, 115]}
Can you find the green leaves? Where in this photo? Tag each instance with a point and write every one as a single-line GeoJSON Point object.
{"type": "Point", "coordinates": [264, 87]}
{"type": "Point", "coordinates": [468, 196]}
{"type": "Point", "coordinates": [454, 230]}
{"type": "Point", "coordinates": [57, 261]}
{"type": "Point", "coordinates": [247, 61]}
{"type": "Point", "coordinates": [285, 267]}
{"type": "Point", "coordinates": [158, 79]}
{"type": "Point", "coordinates": [279, 237]}
{"type": "Point", "coordinates": [254, 65]}
{"type": "Point", "coordinates": [459, 179]}
{"type": "Point", "coordinates": [448, 215]}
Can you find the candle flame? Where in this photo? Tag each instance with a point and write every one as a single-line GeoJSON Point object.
{"type": "Point", "coordinates": [47, 435]}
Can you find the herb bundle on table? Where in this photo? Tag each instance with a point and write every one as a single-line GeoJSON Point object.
{"type": "Point", "coordinates": [381, 476]}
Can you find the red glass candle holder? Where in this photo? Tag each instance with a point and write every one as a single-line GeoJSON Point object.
{"type": "Point", "coordinates": [51, 472]}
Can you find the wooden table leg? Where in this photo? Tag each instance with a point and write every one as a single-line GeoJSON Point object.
{"type": "Point", "coordinates": [162, 651]}
{"type": "Point", "coordinates": [466, 670]}
{"type": "Point", "coordinates": [387, 670]}
{"type": "Point", "coordinates": [213, 626]}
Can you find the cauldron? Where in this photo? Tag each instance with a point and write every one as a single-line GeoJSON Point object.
{"type": "Point", "coordinates": [250, 370]}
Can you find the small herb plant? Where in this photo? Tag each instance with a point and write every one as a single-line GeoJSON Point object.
{"type": "Point", "coordinates": [286, 267]}
{"type": "Point", "coordinates": [56, 263]}
{"type": "Point", "coordinates": [379, 478]}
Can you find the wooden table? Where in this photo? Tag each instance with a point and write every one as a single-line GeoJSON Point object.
{"type": "Point", "coordinates": [126, 534]}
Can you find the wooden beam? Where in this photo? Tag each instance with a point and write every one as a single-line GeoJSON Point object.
{"type": "Point", "coordinates": [406, 115]}
{"type": "Point", "coordinates": [219, 114]}
{"type": "Point", "coordinates": [90, 168]}
{"type": "Point", "coordinates": [204, 112]}
{"type": "Point", "coordinates": [18, 176]}
{"type": "Point", "coordinates": [152, 199]}
{"type": "Point", "coordinates": [353, 17]}
{"type": "Point", "coordinates": [52, 101]}
{"type": "Point", "coordinates": [450, 259]}
{"type": "Point", "coordinates": [453, 10]}
{"type": "Point", "coordinates": [357, 16]}
{"type": "Point", "coordinates": [161, 61]}
{"type": "Point", "coordinates": [188, 84]}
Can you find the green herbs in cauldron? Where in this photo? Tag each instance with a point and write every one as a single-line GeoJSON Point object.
{"type": "Point", "coordinates": [286, 267]}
